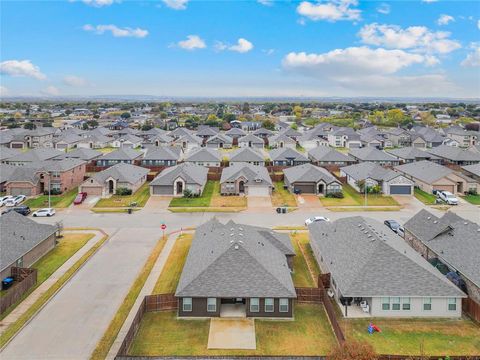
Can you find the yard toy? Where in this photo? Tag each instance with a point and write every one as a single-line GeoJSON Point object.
{"type": "Point", "coordinates": [372, 328]}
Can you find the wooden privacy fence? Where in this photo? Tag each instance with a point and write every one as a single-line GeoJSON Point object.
{"type": "Point", "coordinates": [25, 279]}
{"type": "Point", "coordinates": [160, 302]}
{"type": "Point", "coordinates": [309, 295]}
{"type": "Point", "coordinates": [471, 308]}
{"type": "Point", "coordinates": [423, 357]}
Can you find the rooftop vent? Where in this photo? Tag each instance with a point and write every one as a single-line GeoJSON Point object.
{"type": "Point", "coordinates": [236, 247]}
{"type": "Point", "coordinates": [429, 217]}
{"type": "Point", "coordinates": [465, 223]}
{"type": "Point", "coordinates": [435, 222]}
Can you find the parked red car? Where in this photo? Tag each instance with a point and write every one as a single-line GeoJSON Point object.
{"type": "Point", "coordinates": [80, 197]}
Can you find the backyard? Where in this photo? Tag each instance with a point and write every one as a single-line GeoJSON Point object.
{"type": "Point", "coordinates": [407, 336]}
{"type": "Point", "coordinates": [56, 201]}
{"type": "Point", "coordinates": [305, 268]}
{"type": "Point", "coordinates": [282, 197]}
{"type": "Point", "coordinates": [424, 197]}
{"type": "Point", "coordinates": [140, 197]}
{"type": "Point", "coordinates": [161, 333]}
{"type": "Point", "coordinates": [354, 198]}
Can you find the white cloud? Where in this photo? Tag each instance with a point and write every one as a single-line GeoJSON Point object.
{"type": "Point", "coordinates": [116, 31]}
{"type": "Point", "coordinates": [478, 24]}
{"type": "Point", "coordinates": [473, 58]}
{"type": "Point", "coordinates": [4, 91]}
{"type": "Point", "coordinates": [268, 51]}
{"type": "Point", "coordinates": [176, 4]}
{"type": "Point", "coordinates": [418, 38]}
{"type": "Point", "coordinates": [383, 8]}
{"type": "Point", "coordinates": [265, 2]}
{"type": "Point", "coordinates": [332, 10]}
{"type": "Point", "coordinates": [242, 46]}
{"type": "Point", "coordinates": [21, 68]}
{"type": "Point", "coordinates": [99, 3]}
{"type": "Point", "coordinates": [444, 19]}
{"type": "Point", "coordinates": [429, 1]}
{"type": "Point", "coordinates": [193, 42]}
{"type": "Point", "coordinates": [51, 91]}
{"type": "Point", "coordinates": [76, 81]}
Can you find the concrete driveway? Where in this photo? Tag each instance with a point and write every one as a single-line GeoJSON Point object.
{"type": "Point", "coordinates": [308, 202]}
{"type": "Point", "coordinates": [157, 204]}
{"type": "Point", "coordinates": [71, 324]}
{"type": "Point", "coordinates": [260, 204]}
{"type": "Point", "coordinates": [232, 334]}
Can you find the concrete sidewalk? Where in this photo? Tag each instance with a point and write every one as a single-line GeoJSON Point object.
{"type": "Point", "coordinates": [25, 304]}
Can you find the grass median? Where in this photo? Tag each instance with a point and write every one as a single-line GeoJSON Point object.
{"type": "Point", "coordinates": [140, 197]}
{"type": "Point", "coordinates": [56, 201]}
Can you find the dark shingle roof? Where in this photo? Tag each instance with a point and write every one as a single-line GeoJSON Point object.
{"type": "Point", "coordinates": [122, 172]}
{"type": "Point", "coordinates": [426, 171]}
{"type": "Point", "coordinates": [308, 173]}
{"type": "Point", "coordinates": [326, 153]}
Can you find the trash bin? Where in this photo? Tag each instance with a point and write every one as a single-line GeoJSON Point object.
{"type": "Point", "coordinates": [130, 210]}
{"type": "Point", "coordinates": [284, 210]}
{"type": "Point", "coordinates": [7, 282]}
{"type": "Point", "coordinates": [279, 210]}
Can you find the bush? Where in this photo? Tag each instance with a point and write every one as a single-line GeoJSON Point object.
{"type": "Point", "coordinates": [336, 195]}
{"type": "Point", "coordinates": [187, 193]}
{"type": "Point", "coordinates": [472, 192]}
{"type": "Point", "coordinates": [123, 191]}
{"type": "Point", "coordinates": [53, 192]}
{"type": "Point", "coordinates": [353, 350]}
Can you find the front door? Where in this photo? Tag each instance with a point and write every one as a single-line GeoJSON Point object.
{"type": "Point", "coordinates": [179, 187]}
{"type": "Point", "coordinates": [241, 187]}
{"type": "Point", "coordinates": [110, 186]}
{"type": "Point", "coordinates": [321, 188]}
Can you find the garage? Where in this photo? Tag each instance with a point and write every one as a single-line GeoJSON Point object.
{"type": "Point", "coordinates": [304, 188]}
{"type": "Point", "coordinates": [20, 191]}
{"type": "Point", "coordinates": [400, 189]}
{"type": "Point", "coordinates": [161, 189]}
{"type": "Point", "coordinates": [92, 190]}
{"type": "Point", "coordinates": [258, 191]}
{"type": "Point", "coordinates": [450, 188]}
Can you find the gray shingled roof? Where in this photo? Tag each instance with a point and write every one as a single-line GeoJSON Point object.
{"type": "Point", "coordinates": [189, 172]}
{"type": "Point", "coordinates": [308, 173]}
{"type": "Point", "coordinates": [245, 155]}
{"type": "Point", "coordinates": [34, 155]}
{"type": "Point", "coordinates": [20, 235]}
{"type": "Point", "coordinates": [366, 170]}
{"type": "Point", "coordinates": [121, 172]}
{"type": "Point", "coordinates": [473, 169]}
{"type": "Point", "coordinates": [371, 154]}
{"type": "Point", "coordinates": [326, 153]}
{"type": "Point", "coordinates": [235, 132]}
{"type": "Point", "coordinates": [235, 260]}
{"type": "Point", "coordinates": [366, 259]}
{"type": "Point", "coordinates": [219, 138]}
{"type": "Point", "coordinates": [285, 154]}
{"type": "Point", "coordinates": [410, 153]}
{"type": "Point", "coordinates": [425, 171]}
{"type": "Point", "coordinates": [6, 153]}
{"type": "Point", "coordinates": [203, 155]}
{"type": "Point", "coordinates": [251, 138]}
{"type": "Point", "coordinates": [251, 172]}
{"type": "Point", "coordinates": [122, 154]}
{"type": "Point", "coordinates": [454, 239]}
{"type": "Point", "coordinates": [454, 153]}
{"type": "Point", "coordinates": [80, 153]}
{"type": "Point", "coordinates": [162, 153]}
{"type": "Point", "coordinates": [6, 172]}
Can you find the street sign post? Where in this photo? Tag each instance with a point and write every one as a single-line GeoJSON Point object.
{"type": "Point", "coordinates": [163, 227]}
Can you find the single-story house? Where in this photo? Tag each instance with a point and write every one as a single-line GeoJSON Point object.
{"type": "Point", "coordinates": [206, 132]}
{"type": "Point", "coordinates": [219, 141]}
{"type": "Point", "coordinates": [94, 140]}
{"type": "Point", "coordinates": [188, 141]}
{"type": "Point", "coordinates": [429, 176]}
{"type": "Point", "coordinates": [161, 156]}
{"type": "Point", "coordinates": [124, 155]}
{"type": "Point", "coordinates": [245, 178]}
{"type": "Point", "coordinates": [263, 133]}
{"type": "Point", "coordinates": [370, 265]}
{"type": "Point", "coordinates": [325, 155]}
{"type": "Point", "coordinates": [248, 155]}
{"type": "Point", "coordinates": [451, 240]}
{"type": "Point", "coordinates": [281, 141]}
{"type": "Point", "coordinates": [121, 175]}
{"type": "Point", "coordinates": [81, 154]}
{"type": "Point", "coordinates": [311, 179]}
{"type": "Point", "coordinates": [66, 141]}
{"type": "Point", "coordinates": [175, 180]}
{"type": "Point", "coordinates": [23, 241]}
{"type": "Point", "coordinates": [372, 174]}
{"type": "Point", "coordinates": [235, 133]}
{"type": "Point", "coordinates": [371, 154]}
{"type": "Point", "coordinates": [472, 171]}
{"type": "Point", "coordinates": [237, 266]}
{"type": "Point", "coordinates": [204, 157]}
{"type": "Point", "coordinates": [455, 155]}
{"type": "Point", "coordinates": [412, 154]}
{"type": "Point", "coordinates": [313, 138]}
{"type": "Point", "coordinates": [287, 157]}
{"type": "Point", "coordinates": [252, 141]}
{"type": "Point", "coordinates": [127, 141]}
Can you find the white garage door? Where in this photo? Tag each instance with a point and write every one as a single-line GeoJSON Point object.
{"type": "Point", "coordinates": [258, 191]}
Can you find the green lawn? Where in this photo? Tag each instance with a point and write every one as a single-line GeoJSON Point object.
{"type": "Point", "coordinates": [161, 333]}
{"type": "Point", "coordinates": [168, 279]}
{"type": "Point", "coordinates": [140, 197]}
{"type": "Point", "coordinates": [219, 201]}
{"type": "Point", "coordinates": [57, 201]}
{"type": "Point", "coordinates": [354, 198]}
{"type": "Point", "coordinates": [281, 196]}
{"type": "Point", "coordinates": [301, 274]}
{"type": "Point", "coordinates": [68, 245]}
{"type": "Point", "coordinates": [202, 201]}
{"type": "Point", "coordinates": [424, 197]}
{"type": "Point", "coordinates": [472, 199]}
{"type": "Point", "coordinates": [405, 336]}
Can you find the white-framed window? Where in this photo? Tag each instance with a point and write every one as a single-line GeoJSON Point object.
{"type": "Point", "coordinates": [396, 303]}
{"type": "Point", "coordinates": [427, 304]}
{"type": "Point", "coordinates": [187, 304]}
{"type": "Point", "coordinates": [452, 304]}
{"type": "Point", "coordinates": [269, 305]}
{"type": "Point", "coordinates": [254, 305]}
{"type": "Point", "coordinates": [386, 303]}
{"type": "Point", "coordinates": [406, 303]}
{"type": "Point", "coordinates": [283, 306]}
{"type": "Point", "coordinates": [211, 304]}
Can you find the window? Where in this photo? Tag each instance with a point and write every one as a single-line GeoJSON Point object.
{"type": "Point", "coordinates": [254, 305]}
{"type": "Point", "coordinates": [386, 303]}
{"type": "Point", "coordinates": [396, 303]}
{"type": "Point", "coordinates": [187, 304]}
{"type": "Point", "coordinates": [211, 304]}
{"type": "Point", "coordinates": [269, 305]}
{"type": "Point", "coordinates": [427, 304]}
{"type": "Point", "coordinates": [452, 304]}
{"type": "Point", "coordinates": [283, 305]}
{"type": "Point", "coordinates": [406, 304]}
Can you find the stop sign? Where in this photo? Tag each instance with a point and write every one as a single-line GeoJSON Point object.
{"type": "Point", "coordinates": [163, 227]}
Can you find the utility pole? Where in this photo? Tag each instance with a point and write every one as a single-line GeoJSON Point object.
{"type": "Point", "coordinates": [49, 188]}
{"type": "Point", "coordinates": [366, 190]}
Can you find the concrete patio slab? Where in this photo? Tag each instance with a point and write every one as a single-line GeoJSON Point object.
{"type": "Point", "coordinates": [232, 334]}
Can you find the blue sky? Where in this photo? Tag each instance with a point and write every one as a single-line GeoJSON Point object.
{"type": "Point", "coordinates": [241, 48]}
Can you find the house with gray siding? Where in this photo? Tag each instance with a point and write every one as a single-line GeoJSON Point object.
{"type": "Point", "coordinates": [124, 155]}
{"type": "Point", "coordinates": [248, 155]}
{"type": "Point", "coordinates": [204, 157]}
{"type": "Point", "coordinates": [161, 156]}
{"type": "Point", "coordinates": [235, 266]}
{"type": "Point", "coordinates": [412, 154]}
{"type": "Point", "coordinates": [370, 265]}
{"type": "Point", "coordinates": [219, 141]}
{"type": "Point", "coordinates": [245, 179]}
{"type": "Point", "coordinates": [311, 179]}
{"type": "Point", "coordinates": [252, 141]}
{"type": "Point", "coordinates": [173, 181]}
{"type": "Point", "coordinates": [373, 155]}
{"type": "Point", "coordinates": [287, 157]}
{"type": "Point", "coordinates": [325, 155]}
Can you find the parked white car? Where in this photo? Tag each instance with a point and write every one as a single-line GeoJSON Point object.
{"type": "Point", "coordinates": [315, 219]}
{"type": "Point", "coordinates": [4, 199]}
{"type": "Point", "coordinates": [448, 197]}
{"type": "Point", "coordinates": [44, 212]}
{"type": "Point", "coordinates": [15, 200]}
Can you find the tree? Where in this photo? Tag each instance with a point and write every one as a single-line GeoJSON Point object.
{"type": "Point", "coordinates": [353, 350]}
{"type": "Point", "coordinates": [146, 127]}
{"type": "Point", "coordinates": [268, 124]}
{"type": "Point", "coordinates": [30, 126]}
{"type": "Point", "coordinates": [229, 117]}
{"type": "Point", "coordinates": [126, 115]}
{"type": "Point", "coordinates": [92, 123]}
{"type": "Point", "coordinates": [294, 126]}
{"type": "Point", "coordinates": [245, 108]}
{"type": "Point", "coordinates": [395, 116]}
{"type": "Point", "coordinates": [298, 111]}
{"type": "Point", "coordinates": [84, 126]}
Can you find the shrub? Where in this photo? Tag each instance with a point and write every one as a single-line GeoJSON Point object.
{"type": "Point", "coordinates": [336, 195]}
{"type": "Point", "coordinates": [124, 191]}
{"type": "Point", "coordinates": [353, 350]}
{"type": "Point", "coordinates": [53, 192]}
{"type": "Point", "coordinates": [187, 193]}
{"type": "Point", "coordinates": [472, 192]}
